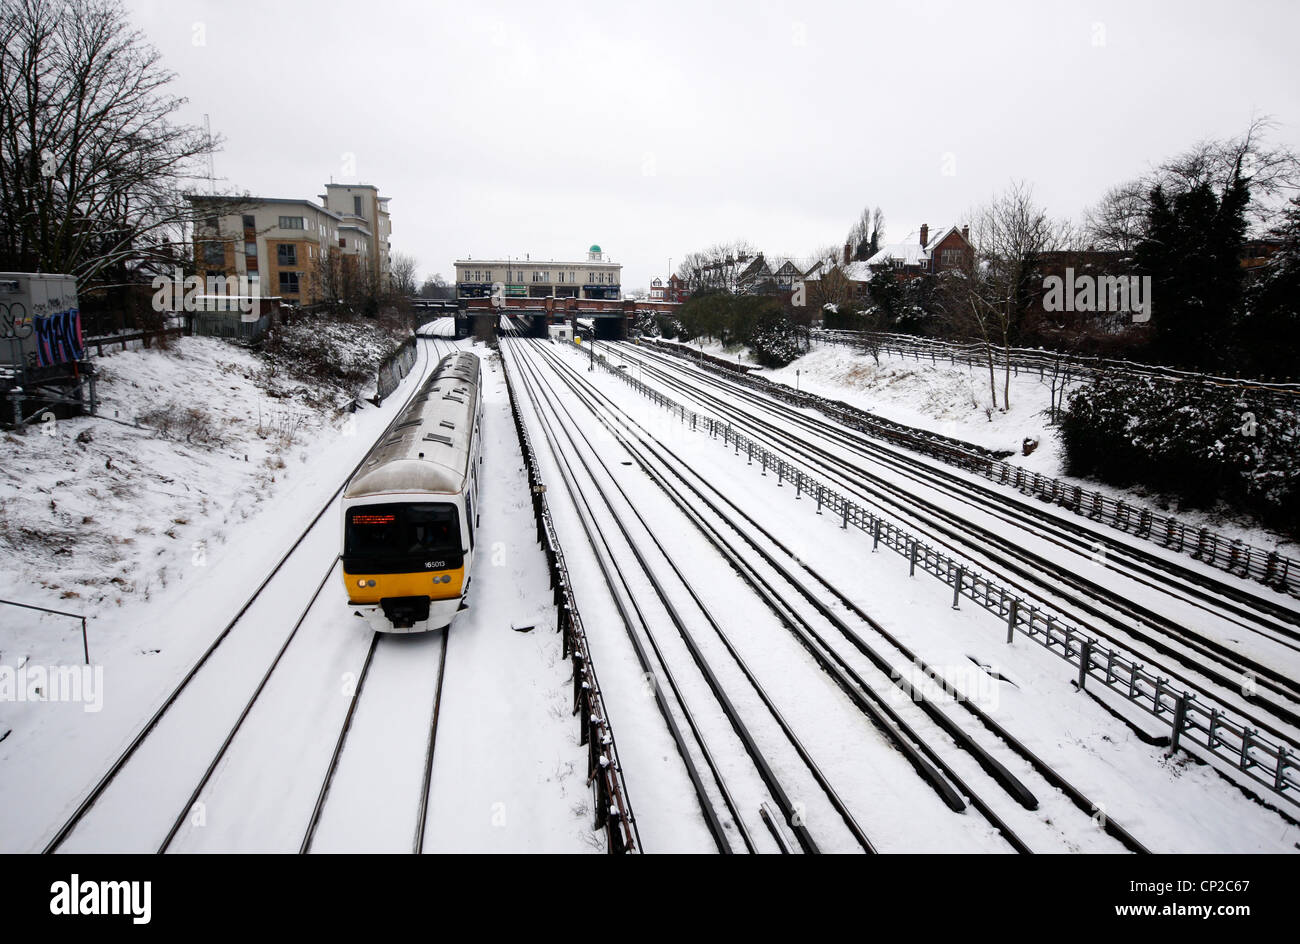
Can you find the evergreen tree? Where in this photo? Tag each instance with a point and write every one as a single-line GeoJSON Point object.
{"type": "Point", "coordinates": [1192, 252]}
{"type": "Point", "coordinates": [886, 299]}
{"type": "Point", "coordinates": [1270, 325]}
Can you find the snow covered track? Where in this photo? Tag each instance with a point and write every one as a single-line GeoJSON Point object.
{"type": "Point", "coordinates": [363, 811]}
{"type": "Point", "coordinates": [1204, 723]}
{"type": "Point", "coordinates": [1206, 588]}
{"type": "Point", "coordinates": [799, 646]}
{"type": "Point", "coordinates": [1233, 671]}
{"type": "Point", "coordinates": [969, 524]}
{"type": "Point", "coordinates": [1134, 526]}
{"type": "Point", "coordinates": [182, 740]}
{"type": "Point", "coordinates": [640, 608]}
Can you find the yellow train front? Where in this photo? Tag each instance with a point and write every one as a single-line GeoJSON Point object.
{"type": "Point", "coordinates": [409, 513]}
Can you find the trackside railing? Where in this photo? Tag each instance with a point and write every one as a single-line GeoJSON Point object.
{"type": "Point", "coordinates": [604, 771]}
{"type": "Point", "coordinates": [85, 640]}
{"type": "Point", "coordinates": [1266, 566]}
{"type": "Point", "coordinates": [1191, 720]}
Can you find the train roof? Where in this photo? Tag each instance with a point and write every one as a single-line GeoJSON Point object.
{"type": "Point", "coordinates": [428, 448]}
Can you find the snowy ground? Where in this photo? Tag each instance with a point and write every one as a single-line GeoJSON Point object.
{"type": "Point", "coordinates": [955, 400]}
{"type": "Point", "coordinates": [159, 542]}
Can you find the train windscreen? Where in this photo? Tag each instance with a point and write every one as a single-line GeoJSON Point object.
{"type": "Point", "coordinates": [413, 536]}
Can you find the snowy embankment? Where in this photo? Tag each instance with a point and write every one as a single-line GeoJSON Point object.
{"type": "Point", "coordinates": [955, 400]}
{"type": "Point", "coordinates": [97, 513]}
{"type": "Point", "coordinates": [152, 532]}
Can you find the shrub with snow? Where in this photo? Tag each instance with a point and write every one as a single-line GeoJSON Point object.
{"type": "Point", "coordinates": [776, 341]}
{"type": "Point", "coordinates": [343, 352]}
{"type": "Point", "coordinates": [1200, 444]}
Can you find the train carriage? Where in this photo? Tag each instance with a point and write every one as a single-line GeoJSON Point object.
{"type": "Point", "coordinates": [409, 513]}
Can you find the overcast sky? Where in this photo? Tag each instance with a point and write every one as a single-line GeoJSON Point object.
{"type": "Point", "coordinates": [659, 128]}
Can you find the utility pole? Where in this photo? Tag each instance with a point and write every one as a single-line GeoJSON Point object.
{"type": "Point", "coordinates": [212, 174]}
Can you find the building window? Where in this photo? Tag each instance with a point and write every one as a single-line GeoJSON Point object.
{"type": "Point", "coordinates": [356, 205]}
{"type": "Point", "coordinates": [286, 254]}
{"type": "Point", "coordinates": [288, 283]}
{"type": "Point", "coordinates": [343, 243]}
{"type": "Point", "coordinates": [214, 254]}
{"type": "Point", "coordinates": [249, 221]}
{"type": "Point", "coordinates": [952, 257]}
{"type": "Point", "coordinates": [250, 250]}
{"type": "Point", "coordinates": [292, 222]}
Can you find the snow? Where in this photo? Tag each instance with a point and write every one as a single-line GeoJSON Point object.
{"type": "Point", "coordinates": [438, 328]}
{"type": "Point", "coordinates": [155, 604]}
{"type": "Point", "coordinates": [1169, 804]}
{"type": "Point", "coordinates": [955, 400]}
{"type": "Point", "coordinates": [160, 540]}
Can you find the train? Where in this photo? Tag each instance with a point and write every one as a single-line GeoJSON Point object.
{"type": "Point", "coordinates": [411, 508]}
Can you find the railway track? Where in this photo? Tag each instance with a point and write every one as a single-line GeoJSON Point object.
{"type": "Point", "coordinates": [375, 794]}
{"type": "Point", "coordinates": [643, 603]}
{"type": "Point", "coordinates": [1132, 624]}
{"type": "Point", "coordinates": [944, 752]}
{"type": "Point", "coordinates": [167, 752]}
{"type": "Point", "coordinates": [1235, 600]}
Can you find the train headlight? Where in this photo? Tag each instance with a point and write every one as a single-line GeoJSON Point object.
{"type": "Point", "coordinates": [361, 583]}
{"type": "Point", "coordinates": [370, 583]}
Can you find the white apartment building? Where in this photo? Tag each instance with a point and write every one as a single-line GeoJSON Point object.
{"type": "Point", "coordinates": [279, 243]}
{"type": "Point", "coordinates": [361, 208]}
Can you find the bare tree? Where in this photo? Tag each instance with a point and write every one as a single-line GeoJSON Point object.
{"type": "Point", "coordinates": [328, 277]}
{"type": "Point", "coordinates": [92, 161]}
{"type": "Point", "coordinates": [1117, 221]}
{"type": "Point", "coordinates": [867, 233]}
{"type": "Point", "coordinates": [437, 287]}
{"type": "Point", "coordinates": [1270, 172]}
{"type": "Point", "coordinates": [988, 298]}
{"type": "Point", "coordinates": [718, 267]}
{"type": "Point", "coordinates": [401, 274]}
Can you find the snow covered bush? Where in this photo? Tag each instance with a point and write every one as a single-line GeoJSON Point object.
{"type": "Point", "coordinates": [1201, 444]}
{"type": "Point", "coordinates": [343, 352]}
{"type": "Point", "coordinates": [776, 340]}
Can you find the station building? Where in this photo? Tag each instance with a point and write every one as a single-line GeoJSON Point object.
{"type": "Point", "coordinates": [597, 277]}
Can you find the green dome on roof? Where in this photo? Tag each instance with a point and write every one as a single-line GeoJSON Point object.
{"type": "Point", "coordinates": [594, 248]}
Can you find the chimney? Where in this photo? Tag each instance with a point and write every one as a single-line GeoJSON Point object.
{"type": "Point", "coordinates": [965, 233]}
{"type": "Point", "coordinates": [848, 253]}
{"type": "Point", "coordinates": [925, 234]}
